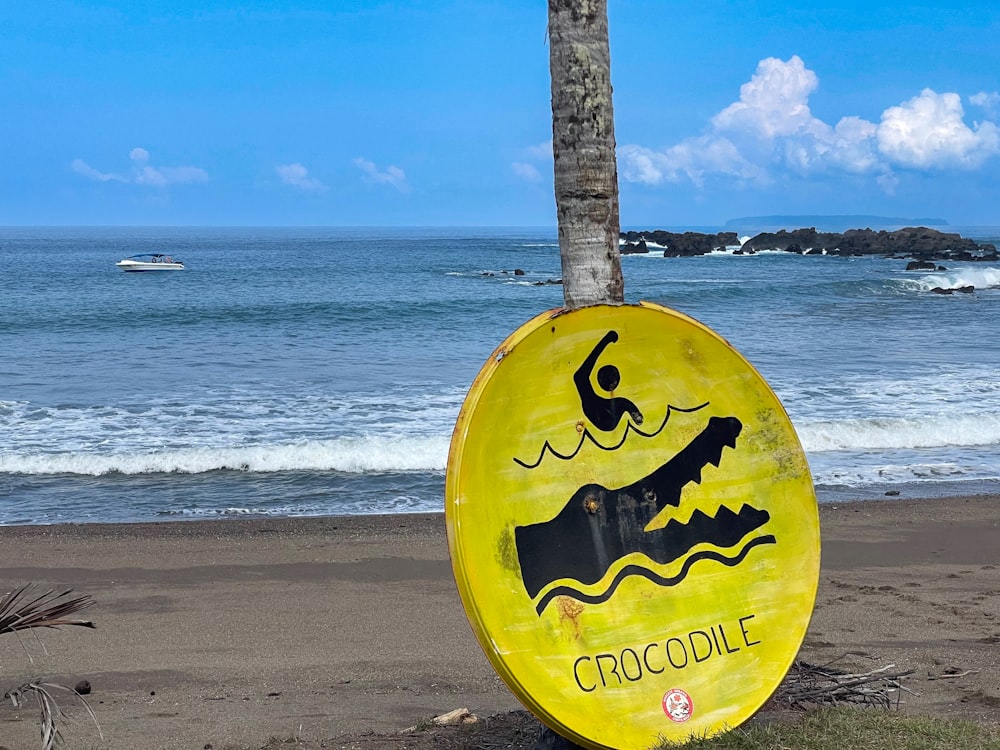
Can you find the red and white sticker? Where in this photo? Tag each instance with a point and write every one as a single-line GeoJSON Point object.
{"type": "Point", "coordinates": [677, 705]}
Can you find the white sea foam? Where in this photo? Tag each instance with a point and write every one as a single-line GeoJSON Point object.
{"type": "Point", "coordinates": [896, 433]}
{"type": "Point", "coordinates": [731, 250]}
{"type": "Point", "coordinates": [978, 277]}
{"type": "Point", "coordinates": [930, 397]}
{"type": "Point", "coordinates": [277, 512]}
{"type": "Point", "coordinates": [878, 474]}
{"type": "Point", "coordinates": [362, 455]}
{"type": "Point", "coordinates": [233, 419]}
{"type": "Point", "coordinates": [318, 401]}
{"type": "Point", "coordinates": [375, 454]}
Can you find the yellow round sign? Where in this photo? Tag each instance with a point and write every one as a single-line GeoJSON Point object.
{"type": "Point", "coordinates": [632, 525]}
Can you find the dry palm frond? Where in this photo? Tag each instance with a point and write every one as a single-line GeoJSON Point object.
{"type": "Point", "coordinates": [20, 609]}
{"type": "Point", "coordinates": [51, 713]}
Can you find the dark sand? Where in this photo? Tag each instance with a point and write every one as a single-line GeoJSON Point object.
{"type": "Point", "coordinates": [228, 633]}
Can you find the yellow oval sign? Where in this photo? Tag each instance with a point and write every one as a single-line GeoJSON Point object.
{"type": "Point", "coordinates": [632, 525]}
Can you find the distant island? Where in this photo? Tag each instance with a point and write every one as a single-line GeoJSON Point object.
{"type": "Point", "coordinates": [827, 223]}
{"type": "Point", "coordinates": [922, 244]}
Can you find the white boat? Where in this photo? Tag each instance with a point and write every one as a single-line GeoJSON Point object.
{"type": "Point", "coordinates": [150, 262]}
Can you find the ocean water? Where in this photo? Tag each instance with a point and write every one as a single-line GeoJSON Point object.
{"type": "Point", "coordinates": [320, 371]}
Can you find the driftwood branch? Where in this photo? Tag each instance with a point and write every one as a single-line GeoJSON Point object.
{"type": "Point", "coordinates": [952, 675]}
{"type": "Point", "coordinates": [808, 685]}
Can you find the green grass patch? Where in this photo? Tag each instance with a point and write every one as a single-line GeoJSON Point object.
{"type": "Point", "coordinates": [853, 729]}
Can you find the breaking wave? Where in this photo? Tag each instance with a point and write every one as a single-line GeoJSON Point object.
{"type": "Point", "coordinates": [897, 433]}
{"type": "Point", "coordinates": [979, 278]}
{"type": "Point", "coordinates": [355, 455]}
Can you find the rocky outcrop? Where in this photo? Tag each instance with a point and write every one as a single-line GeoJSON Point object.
{"type": "Point", "coordinates": [676, 245]}
{"type": "Point", "coordinates": [961, 289]}
{"type": "Point", "coordinates": [919, 243]}
{"type": "Point", "coordinates": [637, 247]}
{"type": "Point", "coordinates": [924, 265]}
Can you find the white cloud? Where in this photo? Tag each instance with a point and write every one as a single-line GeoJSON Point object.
{"type": "Point", "coordinates": [142, 173]}
{"type": "Point", "coordinates": [989, 101]}
{"type": "Point", "coordinates": [172, 175]}
{"type": "Point", "coordinates": [81, 167]}
{"type": "Point", "coordinates": [852, 146]}
{"type": "Point", "coordinates": [771, 130]}
{"type": "Point", "coordinates": [928, 132]}
{"type": "Point", "coordinates": [527, 167]}
{"type": "Point", "coordinates": [297, 176]}
{"type": "Point", "coordinates": [692, 158]}
{"type": "Point", "coordinates": [639, 164]}
{"type": "Point", "coordinates": [391, 175]}
{"type": "Point", "coordinates": [774, 103]}
{"type": "Point", "coordinates": [540, 152]}
{"type": "Point", "coordinates": [525, 171]}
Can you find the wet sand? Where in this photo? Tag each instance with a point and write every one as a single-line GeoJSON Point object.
{"type": "Point", "coordinates": [227, 633]}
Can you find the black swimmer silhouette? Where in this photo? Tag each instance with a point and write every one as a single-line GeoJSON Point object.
{"type": "Point", "coordinates": [599, 526]}
{"type": "Point", "coordinates": [604, 413]}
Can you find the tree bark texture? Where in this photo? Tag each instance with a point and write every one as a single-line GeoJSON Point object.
{"type": "Point", "coordinates": [583, 149]}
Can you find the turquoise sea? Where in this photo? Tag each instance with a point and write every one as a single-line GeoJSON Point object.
{"type": "Point", "coordinates": [316, 371]}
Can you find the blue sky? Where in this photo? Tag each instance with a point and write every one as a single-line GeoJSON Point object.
{"type": "Point", "coordinates": [436, 112]}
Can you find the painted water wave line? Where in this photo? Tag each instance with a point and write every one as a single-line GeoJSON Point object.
{"type": "Point", "coordinates": [643, 572]}
{"type": "Point", "coordinates": [588, 436]}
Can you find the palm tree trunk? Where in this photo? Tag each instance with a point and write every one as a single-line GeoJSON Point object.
{"type": "Point", "coordinates": [583, 149]}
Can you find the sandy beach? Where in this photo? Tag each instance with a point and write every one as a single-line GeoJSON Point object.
{"type": "Point", "coordinates": [227, 633]}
